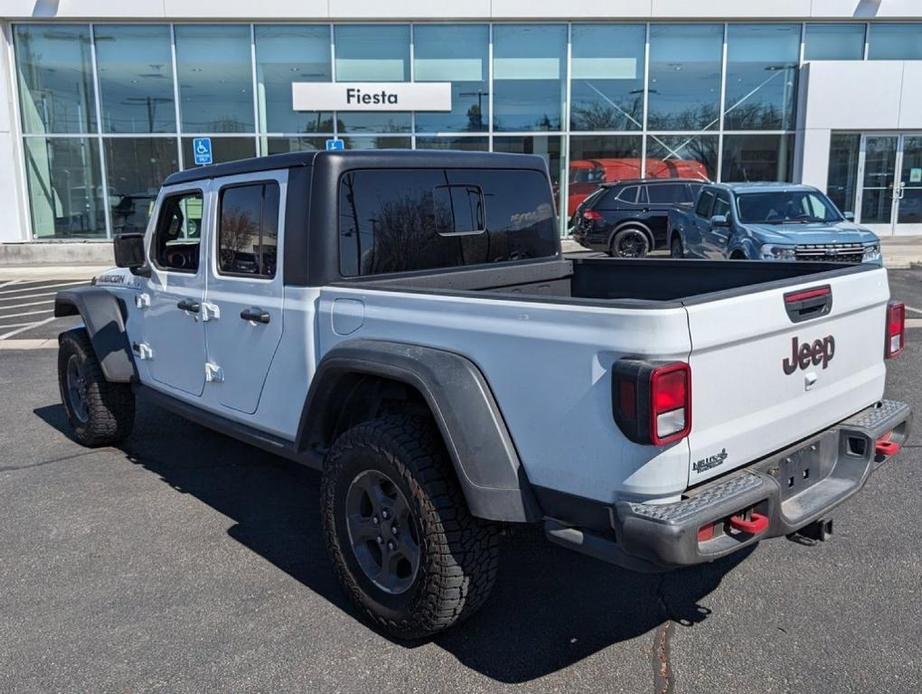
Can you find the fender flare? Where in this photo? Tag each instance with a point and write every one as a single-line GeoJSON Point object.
{"type": "Point", "coordinates": [104, 319]}
{"type": "Point", "coordinates": [479, 445]}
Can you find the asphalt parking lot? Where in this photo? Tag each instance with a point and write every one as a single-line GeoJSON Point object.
{"type": "Point", "coordinates": [185, 561]}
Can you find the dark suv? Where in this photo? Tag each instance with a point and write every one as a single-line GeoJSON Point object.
{"type": "Point", "coordinates": [629, 219]}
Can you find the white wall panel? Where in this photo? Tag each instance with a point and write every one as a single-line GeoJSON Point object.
{"type": "Point", "coordinates": [575, 9]}
{"type": "Point", "coordinates": [867, 9]}
{"type": "Point", "coordinates": [248, 9]}
{"type": "Point", "coordinates": [409, 9]}
{"type": "Point", "coordinates": [14, 220]}
{"type": "Point", "coordinates": [725, 9]}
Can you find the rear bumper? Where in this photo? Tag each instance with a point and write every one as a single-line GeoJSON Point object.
{"type": "Point", "coordinates": [783, 493]}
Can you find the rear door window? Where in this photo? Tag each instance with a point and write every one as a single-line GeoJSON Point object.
{"type": "Point", "coordinates": [629, 194]}
{"type": "Point", "coordinates": [248, 229]}
{"type": "Point", "coordinates": [422, 219]}
{"type": "Point", "coordinates": [667, 193]}
{"type": "Point", "coordinates": [703, 208]}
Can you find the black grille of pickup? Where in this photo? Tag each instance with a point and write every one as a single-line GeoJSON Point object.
{"type": "Point", "coordinates": [830, 252]}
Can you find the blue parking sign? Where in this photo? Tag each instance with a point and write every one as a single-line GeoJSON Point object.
{"type": "Point", "coordinates": [201, 147]}
{"type": "Point", "coordinates": [335, 144]}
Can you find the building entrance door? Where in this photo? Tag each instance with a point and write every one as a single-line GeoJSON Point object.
{"type": "Point", "coordinates": [890, 195]}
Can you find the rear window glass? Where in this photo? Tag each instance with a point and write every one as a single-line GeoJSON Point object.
{"type": "Point", "coordinates": [629, 194]}
{"type": "Point", "coordinates": [423, 219]}
{"type": "Point", "coordinates": [665, 193]}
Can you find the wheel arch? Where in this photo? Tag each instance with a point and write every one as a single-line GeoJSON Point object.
{"type": "Point", "coordinates": [103, 315]}
{"type": "Point", "coordinates": [360, 379]}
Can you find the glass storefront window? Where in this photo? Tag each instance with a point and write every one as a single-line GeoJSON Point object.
{"type": "Point", "coordinates": [607, 65]}
{"type": "Point", "coordinates": [373, 53]}
{"type": "Point", "coordinates": [281, 145]}
{"type": "Point", "coordinates": [376, 142]}
{"type": "Point", "coordinates": [65, 187]}
{"type": "Point", "coordinates": [546, 146]}
{"type": "Point", "coordinates": [529, 76]}
{"type": "Point", "coordinates": [596, 159]}
{"type": "Point", "coordinates": [762, 66]}
{"type": "Point", "coordinates": [135, 168]}
{"type": "Point", "coordinates": [460, 55]}
{"type": "Point", "coordinates": [757, 158]}
{"type": "Point", "coordinates": [286, 54]}
{"type": "Point", "coordinates": [215, 78]}
{"type": "Point", "coordinates": [842, 184]}
{"type": "Point", "coordinates": [834, 42]}
{"type": "Point", "coordinates": [685, 64]}
{"type": "Point", "coordinates": [54, 66]}
{"type": "Point", "coordinates": [895, 42]}
{"type": "Point", "coordinates": [135, 68]}
{"type": "Point", "coordinates": [682, 156]}
{"type": "Point", "coordinates": [223, 149]}
{"type": "Point", "coordinates": [468, 144]}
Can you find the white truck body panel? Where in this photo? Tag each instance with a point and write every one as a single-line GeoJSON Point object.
{"type": "Point", "coordinates": [549, 368]}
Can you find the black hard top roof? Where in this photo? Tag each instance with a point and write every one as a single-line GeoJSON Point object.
{"type": "Point", "coordinates": [370, 158]}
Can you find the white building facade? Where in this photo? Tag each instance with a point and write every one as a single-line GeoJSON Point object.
{"type": "Point", "coordinates": [100, 100]}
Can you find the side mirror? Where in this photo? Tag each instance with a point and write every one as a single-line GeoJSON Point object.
{"type": "Point", "coordinates": [849, 216]}
{"type": "Point", "coordinates": [129, 252]}
{"type": "Point", "coordinates": [720, 220]}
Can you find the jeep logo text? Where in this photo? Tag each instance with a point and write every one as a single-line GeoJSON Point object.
{"type": "Point", "coordinates": [820, 352]}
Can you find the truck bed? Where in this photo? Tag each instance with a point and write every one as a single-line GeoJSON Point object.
{"type": "Point", "coordinates": [644, 283]}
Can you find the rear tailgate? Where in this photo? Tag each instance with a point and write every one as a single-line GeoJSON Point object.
{"type": "Point", "coordinates": [751, 397]}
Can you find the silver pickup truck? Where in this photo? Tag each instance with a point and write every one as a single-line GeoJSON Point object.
{"type": "Point", "coordinates": [405, 323]}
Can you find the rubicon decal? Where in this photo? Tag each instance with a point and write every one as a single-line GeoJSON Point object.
{"type": "Point", "coordinates": [820, 351]}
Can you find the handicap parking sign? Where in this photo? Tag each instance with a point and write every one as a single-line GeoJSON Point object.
{"type": "Point", "coordinates": [201, 147]}
{"type": "Point", "coordinates": [335, 144]}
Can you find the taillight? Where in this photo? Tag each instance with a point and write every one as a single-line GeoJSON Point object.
{"type": "Point", "coordinates": [592, 216]}
{"type": "Point", "coordinates": [896, 329]}
{"type": "Point", "coordinates": [651, 403]}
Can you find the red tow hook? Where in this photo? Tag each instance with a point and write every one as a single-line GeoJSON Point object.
{"type": "Point", "coordinates": [756, 525]}
{"type": "Point", "coordinates": [885, 446]}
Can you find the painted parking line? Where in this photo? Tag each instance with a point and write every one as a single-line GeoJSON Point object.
{"type": "Point", "coordinates": [914, 322]}
{"type": "Point", "coordinates": [8, 283]}
{"type": "Point", "coordinates": [25, 327]}
{"type": "Point", "coordinates": [50, 343]}
{"type": "Point", "coordinates": [914, 310]}
{"type": "Point", "coordinates": [18, 297]}
{"type": "Point", "coordinates": [17, 290]}
{"type": "Point", "coordinates": [46, 302]}
{"type": "Point", "coordinates": [26, 313]}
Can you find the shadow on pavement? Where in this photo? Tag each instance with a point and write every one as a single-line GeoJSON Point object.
{"type": "Point", "coordinates": [550, 609]}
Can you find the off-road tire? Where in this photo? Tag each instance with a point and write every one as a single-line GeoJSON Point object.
{"type": "Point", "coordinates": [108, 416]}
{"type": "Point", "coordinates": [459, 554]}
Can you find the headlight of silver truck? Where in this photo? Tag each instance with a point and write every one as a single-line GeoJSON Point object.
{"type": "Point", "coordinates": [871, 253]}
{"type": "Point", "coordinates": [771, 251]}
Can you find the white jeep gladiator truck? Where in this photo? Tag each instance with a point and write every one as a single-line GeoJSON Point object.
{"type": "Point", "coordinates": [405, 323]}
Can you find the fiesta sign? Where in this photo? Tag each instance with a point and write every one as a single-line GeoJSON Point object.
{"type": "Point", "coordinates": [371, 96]}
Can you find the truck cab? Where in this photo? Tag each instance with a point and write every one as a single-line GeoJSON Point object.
{"type": "Point", "coordinates": [768, 221]}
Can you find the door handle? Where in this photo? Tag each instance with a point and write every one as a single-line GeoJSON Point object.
{"type": "Point", "coordinates": [189, 305]}
{"type": "Point", "coordinates": [257, 315]}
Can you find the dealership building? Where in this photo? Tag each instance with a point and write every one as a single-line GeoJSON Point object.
{"type": "Point", "coordinates": [101, 99]}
